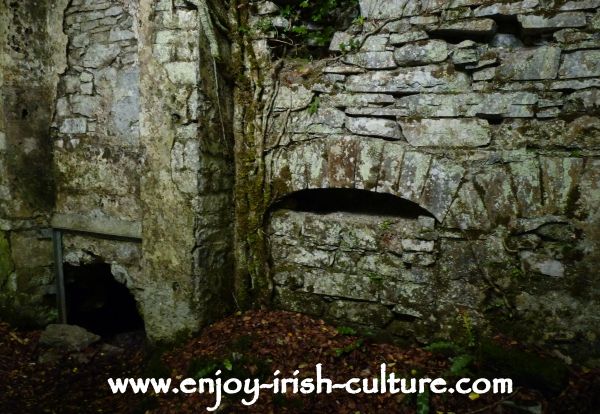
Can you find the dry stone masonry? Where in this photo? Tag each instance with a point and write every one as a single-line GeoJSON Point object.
{"type": "Point", "coordinates": [485, 115]}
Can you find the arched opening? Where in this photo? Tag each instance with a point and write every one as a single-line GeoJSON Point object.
{"type": "Point", "coordinates": [98, 303]}
{"type": "Point", "coordinates": [353, 256]}
{"type": "Point", "coordinates": [350, 200]}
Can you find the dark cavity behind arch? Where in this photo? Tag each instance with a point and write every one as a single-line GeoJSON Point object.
{"type": "Point", "coordinates": [349, 200]}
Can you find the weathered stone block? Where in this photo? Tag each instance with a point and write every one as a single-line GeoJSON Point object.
{"type": "Point", "coordinates": [412, 245]}
{"type": "Point", "coordinates": [508, 8]}
{"type": "Point", "coordinates": [533, 64]}
{"type": "Point", "coordinates": [294, 99]}
{"type": "Point", "coordinates": [98, 55]}
{"type": "Point", "coordinates": [441, 186]}
{"type": "Point", "coordinates": [68, 337]}
{"type": "Point", "coordinates": [368, 163]}
{"type": "Point", "coordinates": [446, 132]}
{"type": "Point", "coordinates": [371, 60]}
{"type": "Point", "coordinates": [362, 313]}
{"type": "Point", "coordinates": [375, 43]}
{"type": "Point", "coordinates": [432, 51]}
{"type": "Point", "coordinates": [467, 27]}
{"type": "Point", "coordinates": [433, 78]}
{"type": "Point", "coordinates": [535, 23]}
{"type": "Point", "coordinates": [341, 285]}
{"type": "Point", "coordinates": [415, 166]}
{"type": "Point", "coordinates": [390, 167]}
{"type": "Point", "coordinates": [580, 64]}
{"type": "Point", "coordinates": [74, 126]}
{"type": "Point", "coordinates": [560, 179]}
{"type": "Point", "coordinates": [580, 5]}
{"type": "Point", "coordinates": [182, 72]}
{"type": "Point", "coordinates": [541, 264]}
{"type": "Point", "coordinates": [388, 9]}
{"type": "Point", "coordinates": [526, 179]}
{"type": "Point", "coordinates": [299, 302]}
{"type": "Point", "coordinates": [377, 127]}
{"type": "Point", "coordinates": [29, 251]}
{"type": "Point", "coordinates": [407, 37]}
{"type": "Point", "coordinates": [341, 162]}
{"type": "Point", "coordinates": [468, 211]}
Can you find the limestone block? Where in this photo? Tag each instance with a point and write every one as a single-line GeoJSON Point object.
{"type": "Point", "coordinates": [537, 23]}
{"type": "Point", "coordinates": [440, 189]}
{"type": "Point", "coordinates": [98, 55]}
{"type": "Point", "coordinates": [542, 264]}
{"type": "Point", "coordinates": [371, 60]}
{"type": "Point", "coordinates": [369, 155]}
{"type": "Point", "coordinates": [415, 166]}
{"type": "Point", "coordinates": [433, 78]}
{"type": "Point", "coordinates": [388, 9]}
{"type": "Point", "coordinates": [446, 132]}
{"type": "Point", "coordinates": [67, 337]}
{"type": "Point", "coordinates": [468, 27]}
{"type": "Point", "coordinates": [530, 64]}
{"type": "Point", "coordinates": [293, 98]}
{"type": "Point", "coordinates": [377, 127]}
{"type": "Point", "coordinates": [431, 51]}
{"type": "Point", "coordinates": [407, 37]}
{"type": "Point", "coordinates": [390, 167]}
{"type": "Point", "coordinates": [580, 64]}
{"type": "Point", "coordinates": [182, 72]}
{"type": "Point", "coordinates": [74, 126]}
{"type": "Point", "coordinates": [361, 313]}
{"type": "Point", "coordinates": [580, 5]}
{"type": "Point", "coordinates": [508, 8]}
{"type": "Point", "coordinates": [375, 43]}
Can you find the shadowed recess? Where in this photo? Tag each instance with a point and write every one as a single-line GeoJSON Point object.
{"type": "Point", "coordinates": [330, 200]}
{"type": "Point", "coordinates": [98, 303]}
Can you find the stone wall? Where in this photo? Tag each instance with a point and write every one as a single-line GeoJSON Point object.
{"type": "Point", "coordinates": [187, 180]}
{"type": "Point", "coordinates": [185, 126]}
{"type": "Point", "coordinates": [97, 153]}
{"type": "Point", "coordinates": [31, 57]}
{"type": "Point", "coordinates": [484, 114]}
{"type": "Point", "coordinates": [116, 128]}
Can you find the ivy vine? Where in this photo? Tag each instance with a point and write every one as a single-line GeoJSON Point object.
{"type": "Point", "coordinates": [310, 25]}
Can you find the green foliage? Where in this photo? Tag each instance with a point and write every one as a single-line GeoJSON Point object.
{"type": "Point", "coordinates": [360, 20]}
{"type": "Point", "coordinates": [264, 25]}
{"type": "Point", "coordinates": [352, 46]}
{"type": "Point", "coordinates": [312, 23]}
{"type": "Point", "coordinates": [462, 353]}
{"type": "Point", "coordinates": [445, 347]}
{"type": "Point", "coordinates": [385, 225]}
{"type": "Point", "coordinates": [423, 403]}
{"type": "Point", "coordinates": [346, 330]}
{"type": "Point", "coordinates": [338, 352]}
{"type": "Point", "coordinates": [313, 108]}
{"type": "Point", "coordinates": [460, 364]}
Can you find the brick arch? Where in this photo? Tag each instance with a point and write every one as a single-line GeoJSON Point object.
{"type": "Point", "coordinates": [430, 181]}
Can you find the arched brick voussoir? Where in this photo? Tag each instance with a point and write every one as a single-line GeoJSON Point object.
{"type": "Point", "coordinates": [367, 164]}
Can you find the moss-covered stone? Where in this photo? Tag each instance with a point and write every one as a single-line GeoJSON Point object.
{"type": "Point", "coordinates": [6, 263]}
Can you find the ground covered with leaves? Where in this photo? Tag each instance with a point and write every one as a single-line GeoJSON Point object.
{"type": "Point", "coordinates": [256, 344]}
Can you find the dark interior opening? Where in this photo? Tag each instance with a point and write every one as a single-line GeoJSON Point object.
{"type": "Point", "coordinates": [98, 303]}
{"type": "Point", "coordinates": [330, 200]}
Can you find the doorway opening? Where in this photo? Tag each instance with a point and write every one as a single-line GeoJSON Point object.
{"type": "Point", "coordinates": [97, 302]}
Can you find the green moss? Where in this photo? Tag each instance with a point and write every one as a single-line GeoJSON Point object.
{"type": "Point", "coordinates": [6, 264]}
